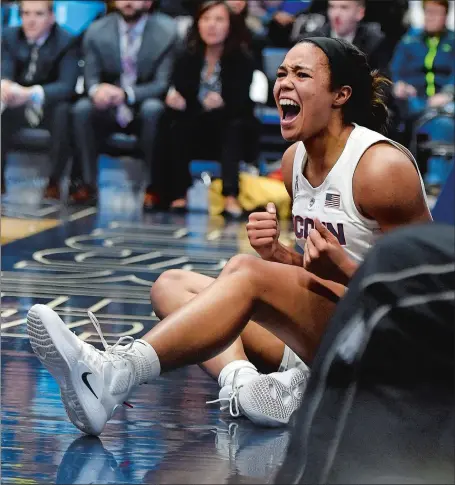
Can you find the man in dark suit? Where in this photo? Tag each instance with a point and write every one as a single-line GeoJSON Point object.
{"type": "Point", "coordinates": [345, 22]}
{"type": "Point", "coordinates": [128, 61]}
{"type": "Point", "coordinates": [39, 75]}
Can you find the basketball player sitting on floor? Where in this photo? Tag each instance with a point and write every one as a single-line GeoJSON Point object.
{"type": "Point", "coordinates": [349, 184]}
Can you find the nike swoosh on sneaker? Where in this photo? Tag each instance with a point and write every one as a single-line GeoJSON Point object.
{"type": "Point", "coordinates": [87, 383]}
{"type": "Point", "coordinates": [41, 352]}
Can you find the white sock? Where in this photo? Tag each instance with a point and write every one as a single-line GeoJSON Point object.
{"type": "Point", "coordinates": [247, 371]}
{"type": "Point", "coordinates": [146, 362]}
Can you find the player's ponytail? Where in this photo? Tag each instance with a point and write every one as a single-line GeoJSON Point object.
{"type": "Point", "coordinates": [379, 115]}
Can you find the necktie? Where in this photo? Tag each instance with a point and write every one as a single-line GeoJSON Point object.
{"type": "Point", "coordinates": [31, 68]}
{"type": "Point", "coordinates": [33, 112]}
{"type": "Point", "coordinates": [129, 75]}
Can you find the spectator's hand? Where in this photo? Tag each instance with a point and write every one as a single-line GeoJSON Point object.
{"type": "Point", "coordinates": [103, 94]}
{"type": "Point", "coordinates": [283, 18]}
{"type": "Point", "coordinates": [439, 100]}
{"type": "Point", "coordinates": [19, 95]}
{"type": "Point", "coordinates": [263, 232]}
{"type": "Point", "coordinates": [212, 101]}
{"type": "Point", "coordinates": [6, 91]}
{"type": "Point", "coordinates": [325, 257]}
{"type": "Point", "coordinates": [117, 96]}
{"type": "Point", "coordinates": [402, 90]}
{"type": "Point", "coordinates": [175, 100]}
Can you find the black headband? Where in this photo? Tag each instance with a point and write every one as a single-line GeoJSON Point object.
{"type": "Point", "coordinates": [336, 52]}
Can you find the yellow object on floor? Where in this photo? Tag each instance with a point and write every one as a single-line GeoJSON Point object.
{"type": "Point", "coordinates": [12, 229]}
{"type": "Point", "coordinates": [255, 192]}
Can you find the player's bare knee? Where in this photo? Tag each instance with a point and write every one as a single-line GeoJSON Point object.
{"type": "Point", "coordinates": [242, 263]}
{"type": "Point", "coordinates": [170, 280]}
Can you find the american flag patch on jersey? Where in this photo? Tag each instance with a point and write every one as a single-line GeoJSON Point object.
{"type": "Point", "coordinates": [332, 200]}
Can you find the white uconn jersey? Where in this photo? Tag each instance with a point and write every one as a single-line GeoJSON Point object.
{"type": "Point", "coordinates": [333, 202]}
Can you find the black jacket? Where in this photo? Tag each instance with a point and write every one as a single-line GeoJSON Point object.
{"type": "Point", "coordinates": [57, 67]}
{"type": "Point", "coordinates": [236, 76]}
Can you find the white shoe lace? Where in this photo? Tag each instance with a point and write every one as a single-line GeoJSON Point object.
{"type": "Point", "coordinates": [115, 352]}
{"type": "Point", "coordinates": [112, 352]}
{"type": "Point", "coordinates": [233, 399]}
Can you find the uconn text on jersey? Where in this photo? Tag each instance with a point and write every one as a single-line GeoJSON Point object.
{"type": "Point", "coordinates": [302, 227]}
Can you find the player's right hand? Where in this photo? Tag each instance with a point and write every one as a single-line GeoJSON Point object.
{"type": "Point", "coordinates": [263, 232]}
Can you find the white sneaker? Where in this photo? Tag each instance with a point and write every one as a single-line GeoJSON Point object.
{"type": "Point", "coordinates": [92, 383]}
{"type": "Point", "coordinates": [227, 396]}
{"type": "Point", "coordinates": [267, 400]}
{"type": "Point", "coordinates": [272, 399]}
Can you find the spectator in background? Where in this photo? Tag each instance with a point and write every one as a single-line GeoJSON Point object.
{"type": "Point", "coordinates": [128, 61]}
{"type": "Point", "coordinates": [208, 109]}
{"type": "Point", "coordinates": [391, 15]}
{"type": "Point", "coordinates": [345, 22]}
{"type": "Point", "coordinates": [39, 75]}
{"type": "Point", "coordinates": [423, 65]}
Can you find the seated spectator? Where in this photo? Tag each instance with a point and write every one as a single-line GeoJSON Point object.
{"type": "Point", "coordinates": [423, 65]}
{"type": "Point", "coordinates": [391, 15]}
{"type": "Point", "coordinates": [208, 109]}
{"type": "Point", "coordinates": [345, 22]}
{"type": "Point", "coordinates": [128, 61]}
{"type": "Point", "coordinates": [256, 40]}
{"type": "Point", "coordinates": [39, 75]}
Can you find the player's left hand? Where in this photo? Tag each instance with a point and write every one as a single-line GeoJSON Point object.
{"type": "Point", "coordinates": [325, 257]}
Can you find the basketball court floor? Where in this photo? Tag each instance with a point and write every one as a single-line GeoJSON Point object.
{"type": "Point", "coordinates": [83, 259]}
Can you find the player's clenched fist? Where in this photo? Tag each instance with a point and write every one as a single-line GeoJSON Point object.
{"type": "Point", "coordinates": [325, 257]}
{"type": "Point", "coordinates": [263, 232]}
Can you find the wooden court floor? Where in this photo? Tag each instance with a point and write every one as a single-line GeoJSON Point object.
{"type": "Point", "coordinates": [106, 262]}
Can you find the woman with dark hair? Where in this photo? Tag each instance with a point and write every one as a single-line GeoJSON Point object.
{"type": "Point", "coordinates": [209, 110]}
{"type": "Point", "coordinates": [349, 183]}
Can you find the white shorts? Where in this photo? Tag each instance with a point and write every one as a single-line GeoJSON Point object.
{"type": "Point", "coordinates": [291, 361]}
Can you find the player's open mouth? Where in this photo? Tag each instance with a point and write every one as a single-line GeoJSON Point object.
{"type": "Point", "coordinates": [289, 110]}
